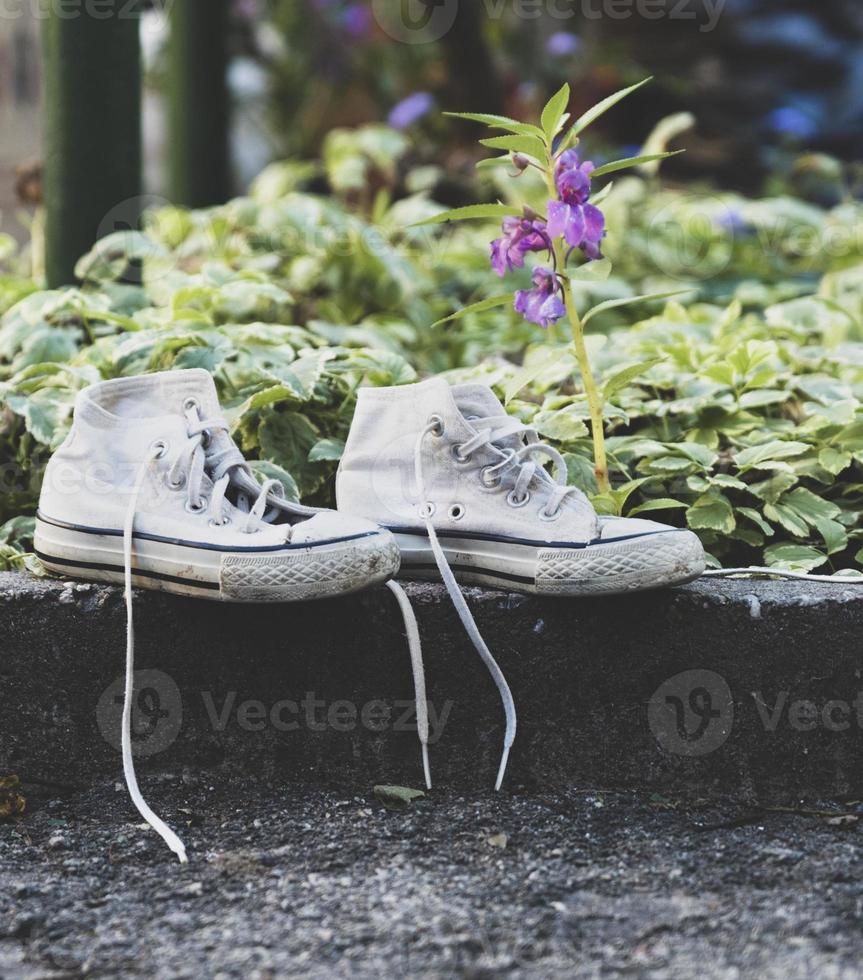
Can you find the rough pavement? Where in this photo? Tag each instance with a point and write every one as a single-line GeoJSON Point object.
{"type": "Point", "coordinates": [287, 881]}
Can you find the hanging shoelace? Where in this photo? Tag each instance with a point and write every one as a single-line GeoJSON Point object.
{"type": "Point", "coordinates": [415, 646]}
{"type": "Point", "coordinates": [458, 600]}
{"type": "Point", "coordinates": [188, 470]}
{"type": "Point", "coordinates": [757, 571]}
{"type": "Point", "coordinates": [161, 828]}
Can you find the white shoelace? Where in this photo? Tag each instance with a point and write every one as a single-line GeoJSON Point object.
{"type": "Point", "coordinates": [459, 602]}
{"type": "Point", "coordinates": [188, 470]}
{"type": "Point", "coordinates": [757, 571]}
{"type": "Point", "coordinates": [492, 429]}
{"type": "Point", "coordinates": [159, 825]}
{"type": "Point", "coordinates": [415, 646]}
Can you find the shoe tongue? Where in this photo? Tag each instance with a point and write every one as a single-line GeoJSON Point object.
{"type": "Point", "coordinates": [476, 399]}
{"type": "Point", "coordinates": [480, 401]}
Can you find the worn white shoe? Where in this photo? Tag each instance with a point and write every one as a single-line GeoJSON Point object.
{"type": "Point", "coordinates": [153, 453]}
{"type": "Point", "coordinates": [449, 458]}
{"type": "Point", "coordinates": [150, 490]}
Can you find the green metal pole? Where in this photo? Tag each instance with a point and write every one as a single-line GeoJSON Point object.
{"type": "Point", "coordinates": [198, 58]}
{"type": "Point", "coordinates": [92, 127]}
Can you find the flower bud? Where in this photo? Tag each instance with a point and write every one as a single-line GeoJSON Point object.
{"type": "Point", "coordinates": [521, 161]}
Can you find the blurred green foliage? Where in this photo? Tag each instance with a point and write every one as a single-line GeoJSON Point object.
{"type": "Point", "coordinates": [736, 409]}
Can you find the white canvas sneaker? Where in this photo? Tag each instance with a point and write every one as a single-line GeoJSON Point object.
{"type": "Point", "coordinates": [449, 459]}
{"type": "Point", "coordinates": [155, 451]}
{"type": "Point", "coordinates": [149, 489]}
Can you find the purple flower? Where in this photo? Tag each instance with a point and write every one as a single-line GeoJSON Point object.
{"type": "Point", "coordinates": [520, 235]}
{"type": "Point", "coordinates": [357, 20]}
{"type": "Point", "coordinates": [580, 224]}
{"type": "Point", "coordinates": [542, 304]}
{"type": "Point", "coordinates": [410, 110]}
{"type": "Point", "coordinates": [562, 44]}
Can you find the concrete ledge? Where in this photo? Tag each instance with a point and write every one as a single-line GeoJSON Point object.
{"type": "Point", "coordinates": [719, 687]}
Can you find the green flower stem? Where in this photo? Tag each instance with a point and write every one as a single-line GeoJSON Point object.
{"type": "Point", "coordinates": [594, 398]}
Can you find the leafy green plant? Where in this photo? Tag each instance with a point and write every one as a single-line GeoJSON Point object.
{"type": "Point", "coordinates": [735, 409]}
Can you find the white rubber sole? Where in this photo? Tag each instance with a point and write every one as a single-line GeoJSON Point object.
{"type": "Point", "coordinates": [647, 561]}
{"type": "Point", "coordinates": [290, 574]}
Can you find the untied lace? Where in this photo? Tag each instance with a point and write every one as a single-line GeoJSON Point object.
{"type": "Point", "coordinates": [189, 470]}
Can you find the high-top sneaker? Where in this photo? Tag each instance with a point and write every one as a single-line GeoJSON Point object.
{"type": "Point", "coordinates": [450, 458]}
{"type": "Point", "coordinates": [150, 490]}
{"type": "Point", "coordinates": [154, 452]}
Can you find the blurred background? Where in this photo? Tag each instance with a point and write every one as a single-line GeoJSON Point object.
{"type": "Point", "coordinates": [775, 86]}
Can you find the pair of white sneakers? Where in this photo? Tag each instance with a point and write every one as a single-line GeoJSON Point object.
{"type": "Point", "coordinates": [150, 490]}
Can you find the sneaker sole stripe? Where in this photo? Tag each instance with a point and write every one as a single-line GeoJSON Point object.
{"type": "Point", "coordinates": [203, 546]}
{"type": "Point", "coordinates": [503, 539]}
{"type": "Point", "coordinates": [90, 566]}
{"type": "Point", "coordinates": [475, 570]}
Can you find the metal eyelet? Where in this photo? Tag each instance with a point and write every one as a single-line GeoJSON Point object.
{"type": "Point", "coordinates": [461, 458]}
{"type": "Point", "coordinates": [514, 501]}
{"type": "Point", "coordinates": [159, 449]}
{"type": "Point", "coordinates": [427, 510]}
{"type": "Point", "coordinates": [176, 484]}
{"type": "Point", "coordinates": [190, 403]}
{"type": "Point", "coordinates": [495, 482]}
{"type": "Point", "coordinates": [439, 428]}
{"type": "Point", "coordinates": [250, 530]}
{"type": "Point", "coordinates": [224, 522]}
{"type": "Point", "coordinates": [545, 516]}
{"type": "Point", "coordinates": [199, 509]}
{"type": "Point", "coordinates": [456, 512]}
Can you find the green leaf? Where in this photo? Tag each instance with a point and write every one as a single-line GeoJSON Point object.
{"type": "Point", "coordinates": [470, 212]}
{"type": "Point", "coordinates": [530, 145]}
{"type": "Point", "coordinates": [397, 797]}
{"type": "Point", "coordinates": [615, 165]}
{"type": "Point", "coordinates": [493, 162]}
{"type": "Point", "coordinates": [564, 425]}
{"type": "Point", "coordinates": [480, 307]}
{"type": "Point", "coordinates": [552, 114]}
{"type": "Point", "coordinates": [788, 517]}
{"type": "Point", "coordinates": [658, 503]}
{"type": "Point", "coordinates": [499, 122]}
{"type": "Point", "coordinates": [602, 107]}
{"type": "Point", "coordinates": [794, 557]}
{"type": "Point", "coordinates": [532, 370]}
{"type": "Point", "coordinates": [810, 506]}
{"type": "Point", "coordinates": [772, 489]}
{"type": "Point", "coordinates": [756, 518]}
{"type": "Point", "coordinates": [265, 469]}
{"type": "Point", "coordinates": [329, 450]}
{"type": "Point", "coordinates": [759, 457]}
{"type": "Point", "coordinates": [834, 534]}
{"type": "Point", "coordinates": [712, 512]}
{"type": "Point", "coordinates": [834, 461]}
{"type": "Point", "coordinates": [613, 304]}
{"type": "Point", "coordinates": [622, 378]}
